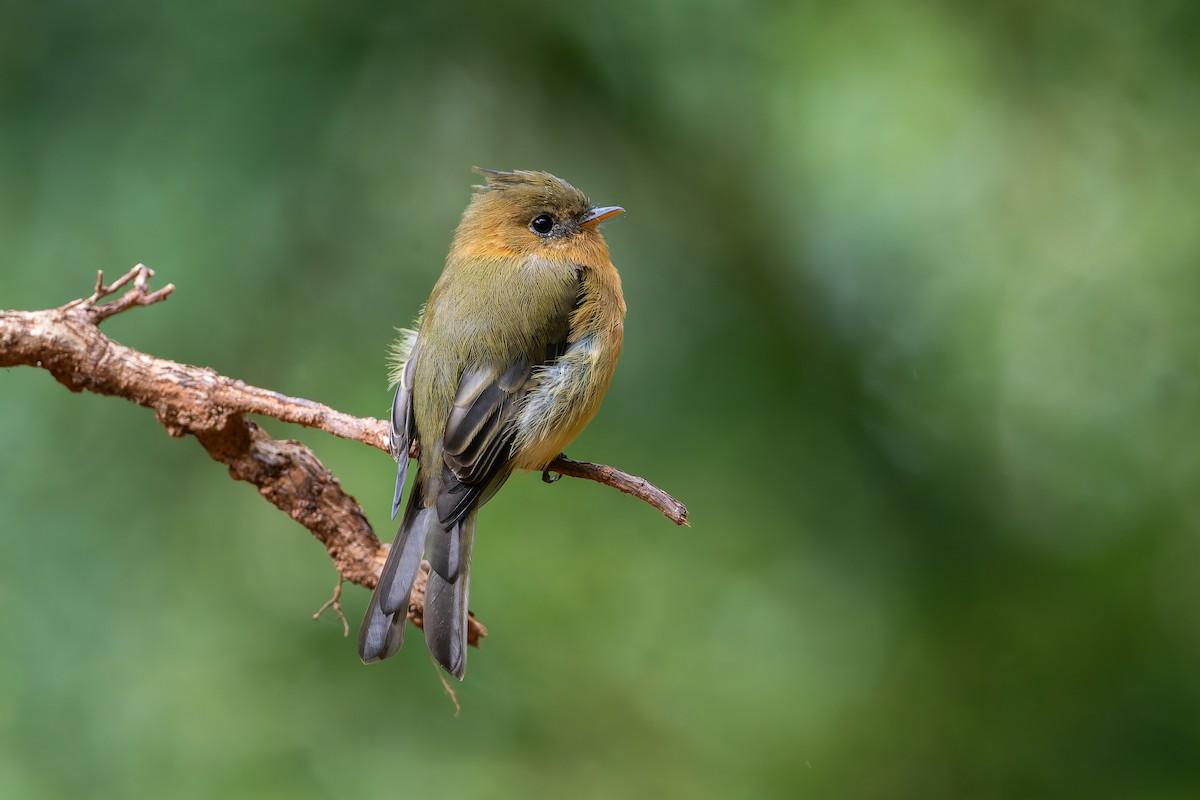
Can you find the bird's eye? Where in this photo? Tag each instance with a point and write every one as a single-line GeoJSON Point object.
{"type": "Point", "coordinates": [542, 224]}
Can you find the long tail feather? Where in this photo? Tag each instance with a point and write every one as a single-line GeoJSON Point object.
{"type": "Point", "coordinates": [382, 631]}
{"type": "Point", "coordinates": [446, 596]}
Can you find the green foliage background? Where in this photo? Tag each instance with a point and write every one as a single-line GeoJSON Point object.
{"type": "Point", "coordinates": [912, 294]}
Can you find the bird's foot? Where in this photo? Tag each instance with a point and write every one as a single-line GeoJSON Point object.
{"type": "Point", "coordinates": [552, 477]}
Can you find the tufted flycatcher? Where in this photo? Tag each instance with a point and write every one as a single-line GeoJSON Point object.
{"type": "Point", "coordinates": [509, 361]}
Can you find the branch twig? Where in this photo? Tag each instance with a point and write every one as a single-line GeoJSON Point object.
{"type": "Point", "coordinates": [335, 603]}
{"type": "Point", "coordinates": [67, 342]}
{"type": "Point", "coordinates": [140, 296]}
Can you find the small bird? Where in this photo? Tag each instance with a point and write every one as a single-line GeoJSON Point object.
{"type": "Point", "coordinates": [510, 358]}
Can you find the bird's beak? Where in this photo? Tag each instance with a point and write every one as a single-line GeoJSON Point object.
{"type": "Point", "coordinates": [598, 215]}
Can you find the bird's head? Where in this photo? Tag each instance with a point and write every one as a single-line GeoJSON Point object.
{"type": "Point", "coordinates": [533, 213]}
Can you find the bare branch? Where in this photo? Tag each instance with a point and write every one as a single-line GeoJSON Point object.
{"type": "Point", "coordinates": [640, 488]}
{"type": "Point", "coordinates": [196, 400]}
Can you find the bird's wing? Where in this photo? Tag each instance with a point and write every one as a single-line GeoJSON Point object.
{"type": "Point", "coordinates": [402, 428]}
{"type": "Point", "coordinates": [477, 442]}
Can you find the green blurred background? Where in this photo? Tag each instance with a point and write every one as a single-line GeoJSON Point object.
{"type": "Point", "coordinates": [911, 329]}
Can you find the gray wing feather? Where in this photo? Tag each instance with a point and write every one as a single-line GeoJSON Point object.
{"type": "Point", "coordinates": [478, 415]}
{"type": "Point", "coordinates": [402, 427]}
{"type": "Point", "coordinates": [475, 446]}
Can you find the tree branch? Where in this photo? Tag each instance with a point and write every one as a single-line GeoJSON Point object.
{"type": "Point", "coordinates": [186, 399]}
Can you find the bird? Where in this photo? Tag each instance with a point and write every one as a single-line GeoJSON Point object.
{"type": "Point", "coordinates": [507, 362]}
